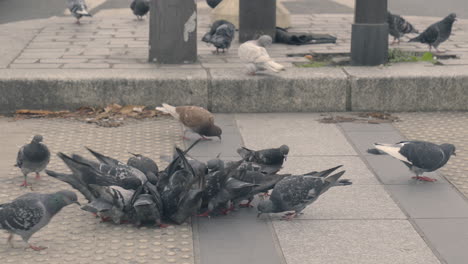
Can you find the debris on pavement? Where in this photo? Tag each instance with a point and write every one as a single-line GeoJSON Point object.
{"type": "Point", "coordinates": [112, 115]}
{"type": "Point", "coordinates": [367, 117]}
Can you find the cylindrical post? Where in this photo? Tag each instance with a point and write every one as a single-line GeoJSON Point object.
{"type": "Point", "coordinates": [369, 37]}
{"type": "Point", "coordinates": [173, 31]}
{"type": "Point", "coordinates": [256, 18]}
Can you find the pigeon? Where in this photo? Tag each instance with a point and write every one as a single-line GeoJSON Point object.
{"type": "Point", "coordinates": [195, 118]}
{"type": "Point", "coordinates": [148, 205]}
{"type": "Point", "coordinates": [30, 212]}
{"type": "Point", "coordinates": [436, 33]}
{"type": "Point", "coordinates": [33, 157]}
{"type": "Point", "coordinates": [140, 8]}
{"type": "Point", "coordinates": [296, 192]}
{"type": "Point", "coordinates": [418, 156]}
{"type": "Point", "coordinates": [213, 3]}
{"type": "Point", "coordinates": [398, 26]}
{"type": "Point", "coordinates": [215, 181]}
{"type": "Point", "coordinates": [253, 52]}
{"type": "Point", "coordinates": [78, 9]}
{"type": "Point", "coordinates": [220, 35]}
{"type": "Point", "coordinates": [269, 160]}
{"type": "Point", "coordinates": [143, 164]}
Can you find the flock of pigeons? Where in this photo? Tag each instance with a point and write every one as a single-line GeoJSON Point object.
{"type": "Point", "coordinates": [138, 192]}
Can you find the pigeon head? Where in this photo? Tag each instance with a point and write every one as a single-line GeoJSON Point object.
{"type": "Point", "coordinates": [207, 38]}
{"type": "Point", "coordinates": [284, 150]}
{"type": "Point", "coordinates": [450, 18]}
{"type": "Point", "coordinates": [449, 149]}
{"type": "Point", "coordinates": [264, 41]}
{"type": "Point", "coordinates": [215, 164]}
{"type": "Point", "coordinates": [37, 139]}
{"type": "Point", "coordinates": [264, 207]}
{"type": "Point", "coordinates": [214, 131]}
{"type": "Point", "coordinates": [61, 199]}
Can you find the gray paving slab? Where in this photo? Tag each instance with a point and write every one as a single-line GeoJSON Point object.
{"type": "Point", "coordinates": [448, 236]}
{"type": "Point", "coordinates": [355, 168]}
{"type": "Point", "coordinates": [393, 171]}
{"type": "Point", "coordinates": [430, 200]}
{"type": "Point", "coordinates": [352, 241]}
{"type": "Point", "coordinates": [363, 140]}
{"type": "Point", "coordinates": [304, 135]}
{"type": "Point", "coordinates": [357, 202]}
{"type": "Point", "coordinates": [363, 127]}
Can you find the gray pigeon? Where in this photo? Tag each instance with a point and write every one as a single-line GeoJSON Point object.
{"type": "Point", "coordinates": [30, 212]}
{"type": "Point", "coordinates": [78, 9]}
{"type": "Point", "coordinates": [143, 164]}
{"type": "Point", "coordinates": [33, 157]}
{"type": "Point", "coordinates": [269, 160]}
{"type": "Point", "coordinates": [418, 156]}
{"type": "Point", "coordinates": [436, 33]}
{"type": "Point", "coordinates": [295, 193]}
{"type": "Point", "coordinates": [140, 8]}
{"type": "Point", "coordinates": [220, 35]}
{"type": "Point", "coordinates": [398, 26]}
{"type": "Point", "coordinates": [195, 118]}
{"type": "Point", "coordinates": [253, 53]}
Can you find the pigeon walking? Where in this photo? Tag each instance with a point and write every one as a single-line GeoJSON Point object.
{"type": "Point", "coordinates": [398, 26]}
{"type": "Point", "coordinates": [195, 118]}
{"type": "Point", "coordinates": [33, 157]}
{"type": "Point", "coordinates": [30, 212]}
{"type": "Point", "coordinates": [418, 156]}
{"type": "Point", "coordinates": [253, 52]}
{"type": "Point", "coordinates": [269, 160]}
{"type": "Point", "coordinates": [295, 193]}
{"type": "Point", "coordinates": [78, 9]}
{"type": "Point", "coordinates": [436, 33]}
{"type": "Point", "coordinates": [140, 8]}
{"type": "Point", "coordinates": [220, 35]}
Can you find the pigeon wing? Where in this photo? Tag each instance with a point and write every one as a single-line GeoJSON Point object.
{"type": "Point", "coordinates": [21, 215]}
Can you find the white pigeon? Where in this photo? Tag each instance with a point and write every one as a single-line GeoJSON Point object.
{"type": "Point", "coordinates": [78, 9]}
{"type": "Point", "coordinates": [253, 52]}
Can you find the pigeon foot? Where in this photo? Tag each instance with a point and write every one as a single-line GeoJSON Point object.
{"type": "Point", "coordinates": [163, 225]}
{"type": "Point", "coordinates": [9, 240]}
{"type": "Point", "coordinates": [105, 219]}
{"type": "Point", "coordinates": [424, 178]}
{"type": "Point", "coordinates": [37, 248]}
{"type": "Point", "coordinates": [265, 194]}
{"type": "Point", "coordinates": [207, 213]}
{"type": "Point", "coordinates": [38, 176]}
{"type": "Point", "coordinates": [289, 216]}
{"type": "Point", "coordinates": [205, 138]}
{"type": "Point", "coordinates": [246, 205]}
{"type": "Point", "coordinates": [25, 184]}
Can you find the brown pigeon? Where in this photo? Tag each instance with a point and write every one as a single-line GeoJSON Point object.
{"type": "Point", "coordinates": [195, 118]}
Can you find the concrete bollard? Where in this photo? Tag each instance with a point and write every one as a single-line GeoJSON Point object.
{"type": "Point", "coordinates": [173, 31]}
{"type": "Point", "coordinates": [369, 37]}
{"type": "Point", "coordinates": [256, 18]}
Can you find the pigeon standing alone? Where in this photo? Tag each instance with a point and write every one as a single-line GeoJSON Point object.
{"type": "Point", "coordinates": [195, 118]}
{"type": "Point", "coordinates": [436, 33]}
{"type": "Point", "coordinates": [30, 212]}
{"type": "Point", "coordinates": [140, 8]}
{"type": "Point", "coordinates": [418, 156]}
{"type": "Point", "coordinates": [78, 9]}
{"type": "Point", "coordinates": [295, 193]}
{"type": "Point", "coordinates": [220, 35]}
{"type": "Point", "coordinates": [398, 26]}
{"type": "Point", "coordinates": [33, 157]}
{"type": "Point", "coordinates": [253, 52]}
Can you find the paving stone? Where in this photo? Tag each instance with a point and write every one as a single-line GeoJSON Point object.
{"type": "Point", "coordinates": [86, 66]}
{"type": "Point", "coordinates": [352, 241]}
{"type": "Point", "coordinates": [34, 66]}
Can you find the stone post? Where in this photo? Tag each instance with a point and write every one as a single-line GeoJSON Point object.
{"type": "Point", "coordinates": [173, 31]}
{"type": "Point", "coordinates": [369, 37]}
{"type": "Point", "coordinates": [256, 18]}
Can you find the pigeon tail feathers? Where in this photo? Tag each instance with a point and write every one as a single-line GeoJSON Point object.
{"type": "Point", "coordinates": [168, 109]}
{"type": "Point", "coordinates": [273, 66]}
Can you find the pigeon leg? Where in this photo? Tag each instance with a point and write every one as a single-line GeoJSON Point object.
{"type": "Point", "coordinates": [424, 178]}
{"type": "Point", "coordinates": [265, 194]}
{"type": "Point", "coordinates": [207, 213]}
{"type": "Point", "coordinates": [163, 225]}
{"type": "Point", "coordinates": [289, 216]}
{"type": "Point", "coordinates": [9, 240]}
{"type": "Point", "coordinates": [248, 205]}
{"type": "Point", "coordinates": [38, 176]}
{"type": "Point", "coordinates": [37, 248]}
{"type": "Point", "coordinates": [394, 41]}
{"type": "Point", "coordinates": [205, 138]}
{"type": "Point", "coordinates": [25, 183]}
{"type": "Point", "coordinates": [78, 21]}
{"type": "Point", "coordinates": [105, 219]}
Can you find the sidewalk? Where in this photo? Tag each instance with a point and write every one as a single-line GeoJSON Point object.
{"type": "Point", "coordinates": [63, 65]}
{"type": "Point", "coordinates": [384, 217]}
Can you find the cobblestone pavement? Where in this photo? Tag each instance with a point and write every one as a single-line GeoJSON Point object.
{"type": "Point", "coordinates": [440, 128]}
{"type": "Point", "coordinates": [114, 39]}
{"type": "Point", "coordinates": [75, 236]}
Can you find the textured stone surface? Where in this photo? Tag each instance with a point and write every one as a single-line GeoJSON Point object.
{"type": "Point", "coordinates": [75, 236]}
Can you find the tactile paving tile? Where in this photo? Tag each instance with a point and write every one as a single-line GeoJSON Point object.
{"type": "Point", "coordinates": [76, 236]}
{"type": "Point", "coordinates": [444, 127]}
